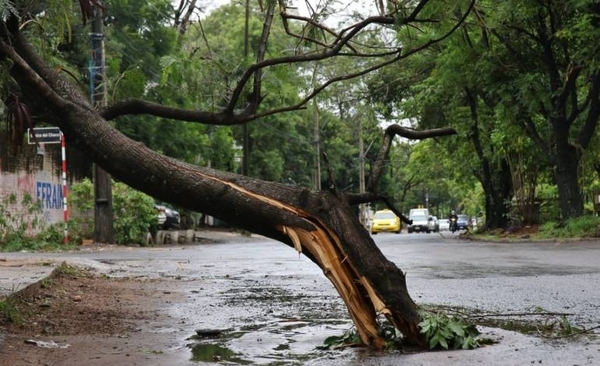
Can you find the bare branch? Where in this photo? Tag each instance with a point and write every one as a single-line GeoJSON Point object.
{"type": "Point", "coordinates": [182, 23]}
{"type": "Point", "coordinates": [139, 106]}
{"type": "Point", "coordinates": [250, 112]}
{"type": "Point", "coordinates": [229, 117]}
{"type": "Point", "coordinates": [255, 98]}
{"type": "Point", "coordinates": [587, 130]}
{"type": "Point", "coordinates": [368, 197]}
{"type": "Point", "coordinates": [388, 137]}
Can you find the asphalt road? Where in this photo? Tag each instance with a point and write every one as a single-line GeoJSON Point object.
{"type": "Point", "coordinates": [282, 307]}
{"type": "Point", "coordinates": [554, 276]}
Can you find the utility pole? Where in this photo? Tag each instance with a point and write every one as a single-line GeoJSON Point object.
{"type": "Point", "coordinates": [245, 129]}
{"type": "Point", "coordinates": [103, 208]}
{"type": "Point", "coordinates": [317, 139]}
{"type": "Point", "coordinates": [316, 136]}
{"type": "Point", "coordinates": [363, 215]}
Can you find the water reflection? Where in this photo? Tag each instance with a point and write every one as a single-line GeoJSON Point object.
{"type": "Point", "coordinates": [215, 353]}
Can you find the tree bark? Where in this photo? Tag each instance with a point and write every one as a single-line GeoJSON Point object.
{"type": "Point", "coordinates": [566, 173]}
{"type": "Point", "coordinates": [497, 189]}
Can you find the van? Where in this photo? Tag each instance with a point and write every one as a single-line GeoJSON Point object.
{"type": "Point", "coordinates": [418, 212]}
{"type": "Point", "coordinates": [420, 220]}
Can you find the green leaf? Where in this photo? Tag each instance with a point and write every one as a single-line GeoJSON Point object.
{"type": "Point", "coordinates": [457, 328]}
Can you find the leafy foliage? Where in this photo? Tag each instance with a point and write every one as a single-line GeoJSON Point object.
{"type": "Point", "coordinates": [349, 339]}
{"type": "Point", "coordinates": [581, 227]}
{"type": "Point", "coordinates": [7, 9]}
{"type": "Point", "coordinates": [17, 218]}
{"type": "Point", "coordinates": [439, 330]}
{"type": "Point", "coordinates": [134, 212]}
{"type": "Point", "coordinates": [18, 119]}
{"type": "Point", "coordinates": [81, 218]}
{"type": "Point", "coordinates": [18, 221]}
{"type": "Point", "coordinates": [448, 332]}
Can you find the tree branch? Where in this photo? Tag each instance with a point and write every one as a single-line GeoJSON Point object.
{"type": "Point", "coordinates": [388, 137]}
{"type": "Point", "coordinates": [229, 116]}
{"type": "Point", "coordinates": [33, 78]}
{"type": "Point", "coordinates": [587, 131]}
{"type": "Point", "coordinates": [368, 197]}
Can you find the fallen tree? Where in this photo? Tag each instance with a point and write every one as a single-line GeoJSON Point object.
{"type": "Point", "coordinates": [320, 224]}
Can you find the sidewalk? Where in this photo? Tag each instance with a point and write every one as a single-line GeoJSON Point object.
{"type": "Point", "coordinates": [16, 274]}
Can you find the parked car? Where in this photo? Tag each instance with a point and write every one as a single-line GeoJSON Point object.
{"type": "Point", "coordinates": [385, 220]}
{"type": "Point", "coordinates": [444, 224]}
{"type": "Point", "coordinates": [167, 217]}
{"type": "Point", "coordinates": [434, 224]}
{"type": "Point", "coordinates": [462, 222]}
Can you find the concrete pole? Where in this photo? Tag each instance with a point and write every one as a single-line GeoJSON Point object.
{"type": "Point", "coordinates": [361, 173]}
{"type": "Point", "coordinates": [103, 208]}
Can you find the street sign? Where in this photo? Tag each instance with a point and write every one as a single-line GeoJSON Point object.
{"type": "Point", "coordinates": [43, 135]}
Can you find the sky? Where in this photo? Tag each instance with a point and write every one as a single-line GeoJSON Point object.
{"type": "Point", "coordinates": [365, 7]}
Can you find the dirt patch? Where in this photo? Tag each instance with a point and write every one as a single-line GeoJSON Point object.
{"type": "Point", "coordinates": [76, 317]}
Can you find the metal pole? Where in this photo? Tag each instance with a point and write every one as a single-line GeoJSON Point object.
{"type": "Point", "coordinates": [63, 149]}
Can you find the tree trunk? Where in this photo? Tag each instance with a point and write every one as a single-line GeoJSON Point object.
{"type": "Point", "coordinates": [496, 183]}
{"type": "Point", "coordinates": [319, 224]}
{"type": "Point", "coordinates": [103, 210]}
{"type": "Point", "coordinates": [566, 174]}
{"type": "Point", "coordinates": [497, 190]}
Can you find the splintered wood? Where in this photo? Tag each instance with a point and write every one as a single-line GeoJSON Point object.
{"type": "Point", "coordinates": [328, 255]}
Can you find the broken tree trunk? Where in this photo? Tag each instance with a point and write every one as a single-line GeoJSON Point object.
{"type": "Point", "coordinates": [364, 278]}
{"type": "Point", "coordinates": [319, 224]}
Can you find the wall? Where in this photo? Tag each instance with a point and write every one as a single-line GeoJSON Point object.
{"type": "Point", "coordinates": [30, 172]}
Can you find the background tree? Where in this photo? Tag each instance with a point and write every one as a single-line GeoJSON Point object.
{"type": "Point", "coordinates": [508, 72]}
{"type": "Point", "coordinates": [547, 56]}
{"type": "Point", "coordinates": [444, 86]}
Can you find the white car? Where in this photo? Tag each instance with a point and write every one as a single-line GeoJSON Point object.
{"type": "Point", "coordinates": [434, 224]}
{"type": "Point", "coordinates": [167, 217]}
{"type": "Point", "coordinates": [444, 224]}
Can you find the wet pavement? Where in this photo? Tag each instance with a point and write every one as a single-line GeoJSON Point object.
{"type": "Point", "coordinates": [273, 306]}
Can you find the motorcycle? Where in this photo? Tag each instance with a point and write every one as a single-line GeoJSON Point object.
{"type": "Point", "coordinates": [453, 225]}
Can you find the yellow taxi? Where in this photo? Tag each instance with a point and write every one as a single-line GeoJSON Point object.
{"type": "Point", "coordinates": [385, 220]}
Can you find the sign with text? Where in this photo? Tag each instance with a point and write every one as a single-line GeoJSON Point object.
{"type": "Point", "coordinates": [43, 135]}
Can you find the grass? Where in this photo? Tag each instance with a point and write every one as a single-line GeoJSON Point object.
{"type": "Point", "coordinates": [577, 228]}
{"type": "Point", "coordinates": [9, 312]}
{"type": "Point", "coordinates": [33, 245]}
{"type": "Point", "coordinates": [67, 269]}
{"type": "Point", "coordinates": [581, 227]}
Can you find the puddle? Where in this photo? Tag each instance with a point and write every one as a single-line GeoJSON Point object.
{"type": "Point", "coordinates": [279, 341]}
{"type": "Point", "coordinates": [215, 353]}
